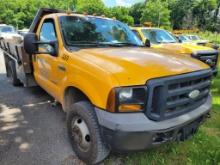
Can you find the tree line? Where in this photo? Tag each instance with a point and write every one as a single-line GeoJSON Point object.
{"type": "Point", "coordinates": [170, 14]}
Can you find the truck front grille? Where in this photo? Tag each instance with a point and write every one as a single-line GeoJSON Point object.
{"type": "Point", "coordinates": [208, 57]}
{"type": "Point", "coordinates": [173, 96]}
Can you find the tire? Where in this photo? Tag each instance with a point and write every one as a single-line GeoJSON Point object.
{"type": "Point", "coordinates": [95, 150]}
{"type": "Point", "coordinates": [13, 74]}
{"type": "Point", "coordinates": [6, 66]}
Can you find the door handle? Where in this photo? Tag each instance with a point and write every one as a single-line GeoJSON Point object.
{"type": "Point", "coordinates": [62, 68]}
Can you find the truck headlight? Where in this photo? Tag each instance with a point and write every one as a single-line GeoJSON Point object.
{"type": "Point", "coordinates": [127, 99]}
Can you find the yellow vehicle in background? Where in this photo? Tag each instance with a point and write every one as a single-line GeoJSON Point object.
{"type": "Point", "coordinates": [195, 39]}
{"type": "Point", "coordinates": [192, 38]}
{"type": "Point", "coordinates": [161, 39]}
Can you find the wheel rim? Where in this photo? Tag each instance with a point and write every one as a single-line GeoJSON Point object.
{"type": "Point", "coordinates": [81, 134]}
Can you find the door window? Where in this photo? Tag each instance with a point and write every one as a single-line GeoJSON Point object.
{"type": "Point", "coordinates": [47, 34]}
{"type": "Point", "coordinates": [48, 31]}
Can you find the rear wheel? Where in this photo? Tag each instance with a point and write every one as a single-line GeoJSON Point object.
{"type": "Point", "coordinates": [84, 133]}
{"type": "Point", "coordinates": [13, 74]}
{"type": "Point", "coordinates": [6, 65]}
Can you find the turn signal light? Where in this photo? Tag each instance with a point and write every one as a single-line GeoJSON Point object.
{"type": "Point", "coordinates": [130, 108]}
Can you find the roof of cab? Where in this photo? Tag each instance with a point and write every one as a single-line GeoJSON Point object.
{"type": "Point", "coordinates": [47, 12]}
{"type": "Point", "coordinates": [78, 15]}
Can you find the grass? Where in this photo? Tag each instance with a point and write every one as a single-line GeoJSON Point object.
{"type": "Point", "coordinates": [213, 37]}
{"type": "Point", "coordinates": [202, 149]}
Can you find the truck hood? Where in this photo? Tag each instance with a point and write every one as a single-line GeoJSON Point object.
{"type": "Point", "coordinates": [134, 66]}
{"type": "Point", "coordinates": [183, 48]}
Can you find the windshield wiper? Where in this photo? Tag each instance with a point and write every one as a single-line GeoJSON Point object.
{"type": "Point", "coordinates": [163, 42]}
{"type": "Point", "coordinates": [127, 44]}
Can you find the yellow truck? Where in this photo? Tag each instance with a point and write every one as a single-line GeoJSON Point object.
{"type": "Point", "coordinates": [195, 39]}
{"type": "Point", "coordinates": [162, 39]}
{"type": "Point", "coordinates": [118, 94]}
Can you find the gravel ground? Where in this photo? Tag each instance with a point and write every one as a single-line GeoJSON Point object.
{"type": "Point", "coordinates": [31, 130]}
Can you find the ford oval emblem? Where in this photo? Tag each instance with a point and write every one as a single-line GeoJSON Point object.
{"type": "Point", "coordinates": [194, 94]}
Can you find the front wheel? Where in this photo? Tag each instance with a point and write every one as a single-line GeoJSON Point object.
{"type": "Point", "coordinates": [84, 133]}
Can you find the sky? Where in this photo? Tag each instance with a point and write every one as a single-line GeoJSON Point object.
{"type": "Point", "coordinates": [127, 3]}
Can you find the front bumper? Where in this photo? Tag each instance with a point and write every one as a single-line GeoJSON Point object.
{"type": "Point", "coordinates": [134, 131]}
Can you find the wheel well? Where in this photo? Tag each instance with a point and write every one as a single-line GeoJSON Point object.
{"type": "Point", "coordinates": [73, 95]}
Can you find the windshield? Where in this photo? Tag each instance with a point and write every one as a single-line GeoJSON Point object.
{"type": "Point", "coordinates": [184, 38]}
{"type": "Point", "coordinates": [157, 36]}
{"type": "Point", "coordinates": [7, 29]}
{"type": "Point", "coordinates": [194, 38]}
{"type": "Point", "coordinates": [93, 30]}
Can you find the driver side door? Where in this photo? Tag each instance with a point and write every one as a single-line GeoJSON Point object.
{"type": "Point", "coordinates": [45, 63]}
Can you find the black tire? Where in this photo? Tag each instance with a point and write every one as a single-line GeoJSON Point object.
{"type": "Point", "coordinates": [13, 74]}
{"type": "Point", "coordinates": [6, 65]}
{"type": "Point", "coordinates": [97, 150]}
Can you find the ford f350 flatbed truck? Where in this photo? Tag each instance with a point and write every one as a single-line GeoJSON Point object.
{"type": "Point", "coordinates": [162, 39]}
{"type": "Point", "coordinates": [118, 94]}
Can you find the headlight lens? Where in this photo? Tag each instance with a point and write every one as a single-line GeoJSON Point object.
{"type": "Point", "coordinates": [127, 99]}
{"type": "Point", "coordinates": [125, 94]}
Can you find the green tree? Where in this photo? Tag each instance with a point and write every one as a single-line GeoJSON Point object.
{"type": "Point", "coordinates": [203, 12]}
{"type": "Point", "coordinates": [122, 14]}
{"type": "Point", "coordinates": [136, 11]}
{"type": "Point", "coordinates": [20, 13]}
{"type": "Point", "coordinates": [156, 12]}
{"type": "Point", "coordinates": [182, 13]}
{"type": "Point", "coordinates": [91, 7]}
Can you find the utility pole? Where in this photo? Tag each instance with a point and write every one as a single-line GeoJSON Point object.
{"type": "Point", "coordinates": [158, 19]}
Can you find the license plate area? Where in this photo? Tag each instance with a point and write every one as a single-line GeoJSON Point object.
{"type": "Point", "coordinates": [189, 130]}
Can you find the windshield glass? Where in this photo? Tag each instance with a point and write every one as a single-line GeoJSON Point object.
{"type": "Point", "coordinates": [157, 36]}
{"type": "Point", "coordinates": [7, 29]}
{"type": "Point", "coordinates": [93, 30]}
{"type": "Point", "coordinates": [194, 37]}
{"type": "Point", "coordinates": [184, 38]}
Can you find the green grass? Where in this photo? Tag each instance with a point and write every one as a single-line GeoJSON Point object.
{"type": "Point", "coordinates": [202, 149]}
{"type": "Point", "coordinates": [213, 37]}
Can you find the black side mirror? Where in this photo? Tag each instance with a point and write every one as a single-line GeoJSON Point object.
{"type": "Point", "coordinates": [215, 47]}
{"type": "Point", "coordinates": [31, 45]}
{"type": "Point", "coordinates": [179, 40]}
{"type": "Point", "coordinates": [147, 43]}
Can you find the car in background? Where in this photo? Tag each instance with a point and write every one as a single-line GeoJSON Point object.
{"type": "Point", "coordinates": [195, 39]}
{"type": "Point", "coordinates": [162, 39]}
{"type": "Point", "coordinates": [7, 29]}
{"type": "Point", "coordinates": [9, 33]}
{"type": "Point", "coordinates": [183, 39]}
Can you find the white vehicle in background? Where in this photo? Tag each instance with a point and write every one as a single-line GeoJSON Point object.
{"type": "Point", "coordinates": [7, 28]}
{"type": "Point", "coordinates": [23, 32]}
{"type": "Point", "coordinates": [9, 33]}
{"type": "Point", "coordinates": [196, 39]}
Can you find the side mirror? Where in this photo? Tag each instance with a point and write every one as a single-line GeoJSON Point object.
{"type": "Point", "coordinates": [179, 40]}
{"type": "Point", "coordinates": [31, 45]}
{"type": "Point", "coordinates": [147, 43]}
{"type": "Point", "coordinates": [215, 47]}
